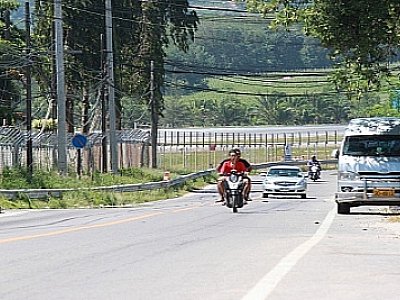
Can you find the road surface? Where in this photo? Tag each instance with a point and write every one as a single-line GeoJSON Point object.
{"type": "Point", "coordinates": [192, 248]}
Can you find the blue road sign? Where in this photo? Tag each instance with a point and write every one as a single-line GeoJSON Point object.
{"type": "Point", "coordinates": [79, 141]}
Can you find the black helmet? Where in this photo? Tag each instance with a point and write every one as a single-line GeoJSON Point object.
{"type": "Point", "coordinates": [237, 151]}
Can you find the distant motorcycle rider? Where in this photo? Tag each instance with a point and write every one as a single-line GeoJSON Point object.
{"type": "Point", "coordinates": [314, 162]}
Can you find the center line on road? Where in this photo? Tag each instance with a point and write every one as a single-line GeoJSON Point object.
{"type": "Point", "coordinates": [78, 228]}
{"type": "Point", "coordinates": [268, 283]}
{"type": "Point", "coordinates": [186, 208]}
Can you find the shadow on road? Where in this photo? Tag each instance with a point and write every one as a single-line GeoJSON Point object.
{"type": "Point", "coordinates": [316, 182]}
{"type": "Point", "coordinates": [372, 213]}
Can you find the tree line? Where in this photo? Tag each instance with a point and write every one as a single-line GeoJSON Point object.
{"type": "Point", "coordinates": [141, 30]}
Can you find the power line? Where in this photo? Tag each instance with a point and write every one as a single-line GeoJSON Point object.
{"type": "Point", "coordinates": [281, 81]}
{"type": "Point", "coordinates": [243, 93]}
{"type": "Point", "coordinates": [242, 72]}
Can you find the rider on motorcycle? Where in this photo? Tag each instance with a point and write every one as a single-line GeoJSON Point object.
{"type": "Point", "coordinates": [238, 152]}
{"type": "Point", "coordinates": [245, 175]}
{"type": "Point", "coordinates": [312, 162]}
{"type": "Point", "coordinates": [227, 166]}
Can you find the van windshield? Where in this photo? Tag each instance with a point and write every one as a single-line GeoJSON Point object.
{"type": "Point", "coordinates": [372, 145]}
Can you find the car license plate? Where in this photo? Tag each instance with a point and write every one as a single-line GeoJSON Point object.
{"type": "Point", "coordinates": [383, 192]}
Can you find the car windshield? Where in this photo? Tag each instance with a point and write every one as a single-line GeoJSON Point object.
{"type": "Point", "coordinates": [375, 145]}
{"type": "Point", "coordinates": [284, 172]}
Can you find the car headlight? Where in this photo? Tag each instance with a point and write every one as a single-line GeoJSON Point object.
{"type": "Point", "coordinates": [302, 182]}
{"type": "Point", "coordinates": [348, 176]}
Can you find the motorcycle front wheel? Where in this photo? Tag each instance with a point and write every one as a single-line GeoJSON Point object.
{"type": "Point", "coordinates": [235, 203]}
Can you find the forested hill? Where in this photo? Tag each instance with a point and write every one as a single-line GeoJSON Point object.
{"type": "Point", "coordinates": [233, 41]}
{"type": "Point", "coordinates": [229, 76]}
{"type": "Point", "coordinates": [230, 41]}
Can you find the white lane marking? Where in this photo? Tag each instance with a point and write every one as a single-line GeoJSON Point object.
{"type": "Point", "coordinates": [268, 283]}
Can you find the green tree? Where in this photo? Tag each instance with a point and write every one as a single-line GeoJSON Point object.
{"type": "Point", "coordinates": [84, 21]}
{"type": "Point", "coordinates": [178, 113]}
{"type": "Point", "coordinates": [230, 112]}
{"type": "Point", "coordinates": [162, 23]}
{"type": "Point", "coordinates": [363, 37]}
{"type": "Point", "coordinates": [269, 107]}
{"type": "Point", "coordinates": [140, 29]}
{"type": "Point", "coordinates": [12, 61]}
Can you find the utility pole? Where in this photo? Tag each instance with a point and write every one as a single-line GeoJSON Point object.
{"type": "Point", "coordinates": [29, 158]}
{"type": "Point", "coordinates": [103, 110]}
{"type": "Point", "coordinates": [61, 109]}
{"type": "Point", "coordinates": [53, 92]}
{"type": "Point", "coordinates": [111, 96]}
{"type": "Point", "coordinates": [154, 119]}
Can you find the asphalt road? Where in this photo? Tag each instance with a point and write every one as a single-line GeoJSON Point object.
{"type": "Point", "coordinates": [192, 248]}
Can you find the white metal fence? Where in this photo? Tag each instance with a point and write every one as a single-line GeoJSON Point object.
{"type": "Point", "coordinates": [192, 151]}
{"type": "Point", "coordinates": [200, 150]}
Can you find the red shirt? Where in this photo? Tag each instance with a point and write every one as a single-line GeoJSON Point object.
{"type": "Point", "coordinates": [227, 167]}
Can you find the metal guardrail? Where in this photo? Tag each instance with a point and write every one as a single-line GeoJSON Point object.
{"type": "Point", "coordinates": [47, 193]}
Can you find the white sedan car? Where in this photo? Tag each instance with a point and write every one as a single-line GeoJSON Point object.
{"type": "Point", "coordinates": [285, 180]}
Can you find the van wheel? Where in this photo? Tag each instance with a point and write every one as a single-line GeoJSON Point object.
{"type": "Point", "coordinates": [265, 195]}
{"type": "Point", "coordinates": [303, 196]}
{"type": "Point", "coordinates": [343, 208]}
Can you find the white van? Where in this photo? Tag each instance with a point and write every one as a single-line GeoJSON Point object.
{"type": "Point", "coordinates": [369, 164]}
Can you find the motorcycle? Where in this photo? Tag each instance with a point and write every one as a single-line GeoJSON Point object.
{"type": "Point", "coordinates": [314, 172]}
{"type": "Point", "coordinates": [234, 190]}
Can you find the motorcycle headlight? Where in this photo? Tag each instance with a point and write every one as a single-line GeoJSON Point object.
{"type": "Point", "coordinates": [348, 176]}
{"type": "Point", "coordinates": [233, 177]}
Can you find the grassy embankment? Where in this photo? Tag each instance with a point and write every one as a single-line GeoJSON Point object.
{"type": "Point", "coordinates": [18, 179]}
